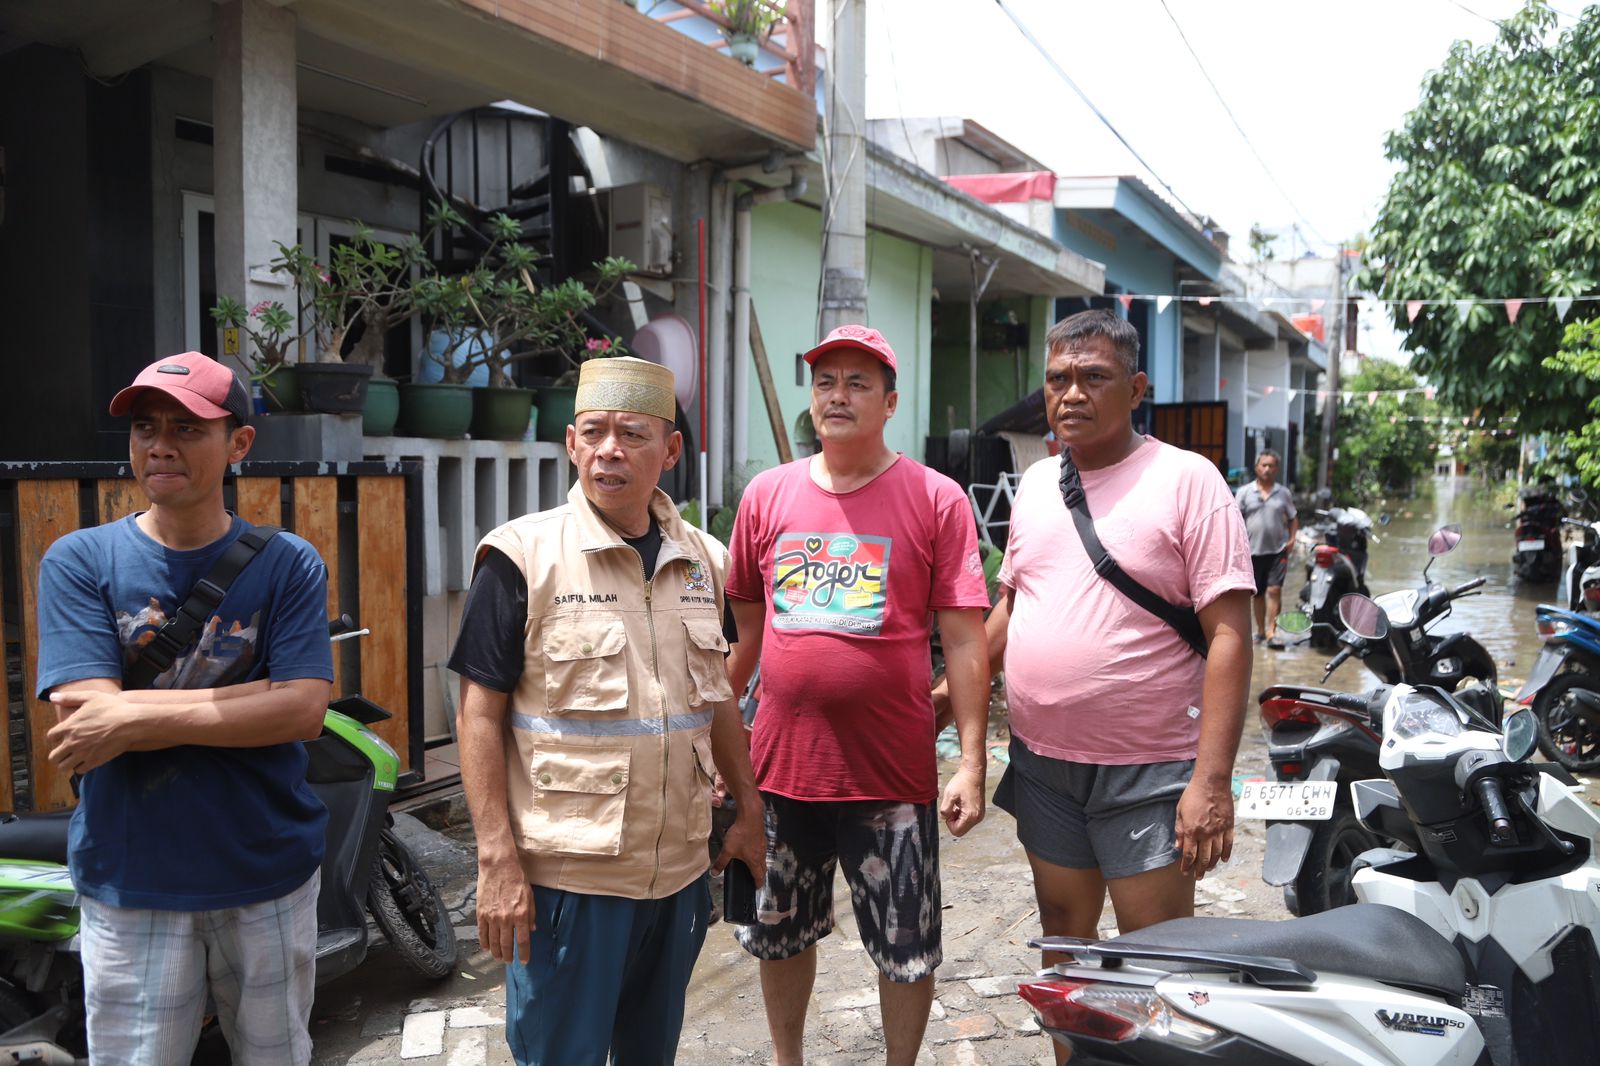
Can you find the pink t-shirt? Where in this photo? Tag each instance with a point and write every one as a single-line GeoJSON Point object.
{"type": "Point", "coordinates": [849, 580]}
{"type": "Point", "coordinates": [1091, 676]}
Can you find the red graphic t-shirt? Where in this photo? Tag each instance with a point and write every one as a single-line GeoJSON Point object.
{"type": "Point", "coordinates": [850, 581]}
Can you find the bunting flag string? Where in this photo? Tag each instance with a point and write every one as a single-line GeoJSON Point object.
{"type": "Point", "coordinates": [1513, 305]}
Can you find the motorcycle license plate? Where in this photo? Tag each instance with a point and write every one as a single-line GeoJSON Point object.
{"type": "Point", "coordinates": [1287, 801]}
{"type": "Point", "coordinates": [1531, 545]}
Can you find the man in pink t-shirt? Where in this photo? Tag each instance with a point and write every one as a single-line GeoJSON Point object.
{"type": "Point", "coordinates": [839, 562]}
{"type": "Point", "coordinates": [1123, 736]}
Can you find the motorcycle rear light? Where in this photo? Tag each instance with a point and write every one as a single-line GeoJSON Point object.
{"type": "Point", "coordinates": [1550, 627]}
{"type": "Point", "coordinates": [1591, 595]}
{"type": "Point", "coordinates": [1291, 769]}
{"type": "Point", "coordinates": [1278, 711]}
{"type": "Point", "coordinates": [1325, 554]}
{"type": "Point", "coordinates": [1111, 1012]}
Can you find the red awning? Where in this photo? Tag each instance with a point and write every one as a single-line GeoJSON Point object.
{"type": "Point", "coordinates": [1006, 188]}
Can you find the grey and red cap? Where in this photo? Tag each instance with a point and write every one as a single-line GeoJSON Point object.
{"type": "Point", "coordinates": [205, 387]}
{"type": "Point", "coordinates": [865, 338]}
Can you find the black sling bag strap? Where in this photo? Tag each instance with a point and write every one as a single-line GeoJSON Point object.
{"type": "Point", "coordinates": [1181, 619]}
{"type": "Point", "coordinates": [184, 627]}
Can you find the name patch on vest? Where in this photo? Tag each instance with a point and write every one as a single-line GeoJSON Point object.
{"type": "Point", "coordinates": [591, 597]}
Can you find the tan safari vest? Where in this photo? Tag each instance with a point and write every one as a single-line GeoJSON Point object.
{"type": "Point", "coordinates": [608, 749]}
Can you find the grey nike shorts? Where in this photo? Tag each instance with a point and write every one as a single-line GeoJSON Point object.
{"type": "Point", "coordinates": [1120, 820]}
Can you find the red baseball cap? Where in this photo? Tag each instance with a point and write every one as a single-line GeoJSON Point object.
{"type": "Point", "coordinates": [863, 337]}
{"type": "Point", "coordinates": [204, 386]}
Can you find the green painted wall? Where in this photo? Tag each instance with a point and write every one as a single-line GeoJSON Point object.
{"type": "Point", "coordinates": [998, 384]}
{"type": "Point", "coordinates": [784, 268]}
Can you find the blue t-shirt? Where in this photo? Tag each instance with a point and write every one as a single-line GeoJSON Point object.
{"type": "Point", "coordinates": [188, 828]}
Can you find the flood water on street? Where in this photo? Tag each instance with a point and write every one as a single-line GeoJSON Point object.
{"type": "Point", "coordinates": [1500, 617]}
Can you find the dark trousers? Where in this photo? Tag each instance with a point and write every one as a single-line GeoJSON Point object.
{"type": "Point", "coordinates": [607, 976]}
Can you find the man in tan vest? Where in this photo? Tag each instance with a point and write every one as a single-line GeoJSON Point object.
{"type": "Point", "coordinates": [595, 708]}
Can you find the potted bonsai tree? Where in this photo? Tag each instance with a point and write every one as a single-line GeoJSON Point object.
{"type": "Point", "coordinates": [270, 329]}
{"type": "Point", "coordinates": [497, 315]}
{"type": "Point", "coordinates": [366, 282]}
{"type": "Point", "coordinates": [749, 22]}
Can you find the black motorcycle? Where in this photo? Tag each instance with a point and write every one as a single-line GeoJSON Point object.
{"type": "Point", "coordinates": [1538, 535]}
{"type": "Point", "coordinates": [1335, 567]}
{"type": "Point", "coordinates": [1316, 748]}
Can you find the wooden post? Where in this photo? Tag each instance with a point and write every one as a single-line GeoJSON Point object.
{"type": "Point", "coordinates": [316, 518]}
{"type": "Point", "coordinates": [381, 590]}
{"type": "Point", "coordinates": [769, 391]}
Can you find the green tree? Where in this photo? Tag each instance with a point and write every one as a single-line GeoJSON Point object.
{"type": "Point", "coordinates": [1580, 357]}
{"type": "Point", "coordinates": [1382, 442]}
{"type": "Point", "coordinates": [1498, 196]}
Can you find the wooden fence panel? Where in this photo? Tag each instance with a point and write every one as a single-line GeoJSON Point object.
{"type": "Point", "coordinates": [316, 518]}
{"type": "Point", "coordinates": [51, 508]}
{"type": "Point", "coordinates": [381, 525]}
{"type": "Point", "coordinates": [117, 498]}
{"type": "Point", "coordinates": [257, 500]}
{"type": "Point", "coordinates": [373, 548]}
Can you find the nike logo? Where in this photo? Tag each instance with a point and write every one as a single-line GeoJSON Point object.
{"type": "Point", "coordinates": [1141, 832]}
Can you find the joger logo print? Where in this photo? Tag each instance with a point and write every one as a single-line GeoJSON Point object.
{"type": "Point", "coordinates": [830, 581]}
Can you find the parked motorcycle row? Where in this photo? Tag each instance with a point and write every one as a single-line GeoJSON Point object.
{"type": "Point", "coordinates": [1472, 938]}
{"type": "Point", "coordinates": [366, 870]}
{"type": "Point", "coordinates": [1447, 890]}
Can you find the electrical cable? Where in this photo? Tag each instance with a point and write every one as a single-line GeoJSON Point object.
{"type": "Point", "coordinates": [1064, 76]}
{"type": "Point", "coordinates": [1238, 126]}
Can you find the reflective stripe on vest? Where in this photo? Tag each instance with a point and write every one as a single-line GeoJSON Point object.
{"type": "Point", "coordinates": [626, 727]}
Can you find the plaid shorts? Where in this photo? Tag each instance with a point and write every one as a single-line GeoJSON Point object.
{"type": "Point", "coordinates": [147, 973]}
{"type": "Point", "coordinates": [890, 856]}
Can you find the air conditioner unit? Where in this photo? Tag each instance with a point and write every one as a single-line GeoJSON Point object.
{"type": "Point", "coordinates": [641, 226]}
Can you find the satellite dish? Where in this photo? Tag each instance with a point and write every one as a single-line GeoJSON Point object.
{"type": "Point", "coordinates": [670, 341]}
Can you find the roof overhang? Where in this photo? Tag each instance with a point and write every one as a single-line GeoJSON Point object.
{"type": "Point", "coordinates": [1137, 204]}
{"type": "Point", "coordinates": [915, 204]}
{"type": "Point", "coordinates": [595, 63]}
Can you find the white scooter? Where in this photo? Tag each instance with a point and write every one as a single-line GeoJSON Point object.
{"type": "Point", "coordinates": [1475, 948]}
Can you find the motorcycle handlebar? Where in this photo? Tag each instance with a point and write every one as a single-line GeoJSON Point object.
{"type": "Point", "coordinates": [1462, 590]}
{"type": "Point", "coordinates": [1336, 662]}
{"type": "Point", "coordinates": [1494, 808]}
{"type": "Point", "coordinates": [1348, 700]}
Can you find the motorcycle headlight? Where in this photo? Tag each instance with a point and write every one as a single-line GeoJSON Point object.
{"type": "Point", "coordinates": [1415, 715]}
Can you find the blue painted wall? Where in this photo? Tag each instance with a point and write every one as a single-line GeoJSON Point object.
{"type": "Point", "coordinates": [1134, 266]}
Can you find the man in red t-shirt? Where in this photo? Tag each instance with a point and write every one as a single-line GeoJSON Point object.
{"type": "Point", "coordinates": [839, 562]}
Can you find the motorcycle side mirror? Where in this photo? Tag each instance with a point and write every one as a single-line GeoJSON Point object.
{"type": "Point", "coordinates": [1519, 734]}
{"type": "Point", "coordinates": [1384, 518]}
{"type": "Point", "coordinates": [1443, 541]}
{"type": "Point", "coordinates": [1362, 616]}
{"type": "Point", "coordinates": [1294, 622]}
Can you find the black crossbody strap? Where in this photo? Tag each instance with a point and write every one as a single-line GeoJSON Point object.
{"type": "Point", "coordinates": [1181, 619]}
{"type": "Point", "coordinates": [186, 624]}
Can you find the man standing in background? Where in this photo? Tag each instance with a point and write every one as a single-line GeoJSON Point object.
{"type": "Point", "coordinates": [1270, 519]}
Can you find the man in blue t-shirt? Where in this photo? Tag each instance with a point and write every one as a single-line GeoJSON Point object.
{"type": "Point", "coordinates": [197, 842]}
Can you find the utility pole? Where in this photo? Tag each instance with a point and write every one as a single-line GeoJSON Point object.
{"type": "Point", "coordinates": [1341, 310]}
{"type": "Point", "coordinates": [844, 209]}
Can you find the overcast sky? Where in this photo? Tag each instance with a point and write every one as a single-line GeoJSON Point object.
{"type": "Point", "coordinates": [1315, 86]}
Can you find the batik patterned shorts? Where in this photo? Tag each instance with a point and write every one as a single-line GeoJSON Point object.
{"type": "Point", "coordinates": [889, 853]}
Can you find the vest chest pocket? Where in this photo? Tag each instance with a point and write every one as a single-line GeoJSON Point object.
{"type": "Point", "coordinates": [586, 666]}
{"type": "Point", "coordinates": [579, 796]}
{"type": "Point", "coordinates": [707, 650]}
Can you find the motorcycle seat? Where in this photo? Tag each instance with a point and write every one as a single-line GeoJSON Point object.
{"type": "Point", "coordinates": [1361, 940]}
{"type": "Point", "coordinates": [36, 837]}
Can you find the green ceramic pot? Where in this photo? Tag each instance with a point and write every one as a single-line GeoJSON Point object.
{"type": "Point", "coordinates": [556, 403]}
{"type": "Point", "coordinates": [500, 413]}
{"type": "Point", "coordinates": [281, 389]}
{"type": "Point", "coordinates": [435, 410]}
{"type": "Point", "coordinates": [382, 409]}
